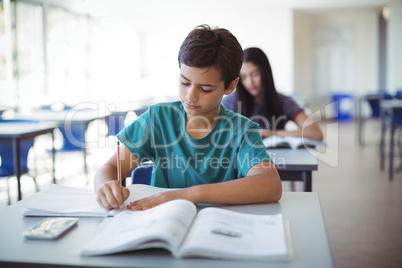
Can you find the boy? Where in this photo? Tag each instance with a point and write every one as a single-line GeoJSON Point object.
{"type": "Point", "coordinates": [213, 155]}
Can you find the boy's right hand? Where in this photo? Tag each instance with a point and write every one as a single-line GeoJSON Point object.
{"type": "Point", "coordinates": [112, 195]}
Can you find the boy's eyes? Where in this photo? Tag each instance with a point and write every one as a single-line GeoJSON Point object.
{"type": "Point", "coordinates": [188, 84]}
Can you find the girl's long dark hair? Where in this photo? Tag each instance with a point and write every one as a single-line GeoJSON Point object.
{"type": "Point", "coordinates": [269, 107]}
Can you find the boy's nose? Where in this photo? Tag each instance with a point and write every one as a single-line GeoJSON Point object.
{"type": "Point", "coordinates": [192, 95]}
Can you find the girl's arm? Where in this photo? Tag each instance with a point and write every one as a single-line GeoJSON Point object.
{"type": "Point", "coordinates": [262, 184]}
{"type": "Point", "coordinates": [110, 194]}
{"type": "Point", "coordinates": [308, 128]}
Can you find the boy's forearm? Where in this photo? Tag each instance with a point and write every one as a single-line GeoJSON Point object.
{"type": "Point", "coordinates": [253, 189]}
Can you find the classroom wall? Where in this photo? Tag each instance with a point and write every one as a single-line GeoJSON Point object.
{"type": "Point", "coordinates": [394, 46]}
{"type": "Point", "coordinates": [160, 33]}
{"type": "Point", "coordinates": [134, 44]}
{"type": "Point", "coordinates": [364, 46]}
{"type": "Point", "coordinates": [283, 29]}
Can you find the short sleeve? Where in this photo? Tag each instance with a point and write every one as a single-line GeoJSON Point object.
{"type": "Point", "coordinates": [136, 137]}
{"type": "Point", "coordinates": [290, 107]}
{"type": "Point", "coordinates": [251, 152]}
{"type": "Point", "coordinates": [229, 102]}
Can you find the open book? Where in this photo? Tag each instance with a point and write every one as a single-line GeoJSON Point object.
{"type": "Point", "coordinates": [290, 142]}
{"type": "Point", "coordinates": [59, 200]}
{"type": "Point", "coordinates": [212, 233]}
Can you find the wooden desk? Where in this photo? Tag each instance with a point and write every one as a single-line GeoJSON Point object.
{"type": "Point", "coordinates": [303, 210]}
{"type": "Point", "coordinates": [295, 165]}
{"type": "Point", "coordinates": [17, 132]}
{"type": "Point", "coordinates": [388, 110]}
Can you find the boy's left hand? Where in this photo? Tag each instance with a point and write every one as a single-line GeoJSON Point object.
{"type": "Point", "coordinates": [157, 199]}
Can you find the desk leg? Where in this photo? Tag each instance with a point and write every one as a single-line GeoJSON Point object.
{"type": "Point", "coordinates": [360, 125]}
{"type": "Point", "coordinates": [307, 177]}
{"type": "Point", "coordinates": [53, 159]}
{"type": "Point", "coordinates": [391, 149]}
{"type": "Point", "coordinates": [382, 142]}
{"type": "Point", "coordinates": [84, 151]}
{"type": "Point", "coordinates": [17, 164]}
{"type": "Point", "coordinates": [360, 132]}
{"type": "Point", "coordinates": [85, 161]}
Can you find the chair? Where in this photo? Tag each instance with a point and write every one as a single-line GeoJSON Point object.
{"type": "Point", "coordinates": [398, 94]}
{"type": "Point", "coordinates": [7, 157]}
{"type": "Point", "coordinates": [373, 101]}
{"type": "Point", "coordinates": [142, 174]}
{"type": "Point", "coordinates": [398, 124]}
{"type": "Point", "coordinates": [77, 131]}
{"type": "Point", "coordinates": [398, 115]}
{"type": "Point", "coordinates": [73, 133]}
{"type": "Point", "coordinates": [78, 135]}
{"type": "Point", "coordinates": [393, 123]}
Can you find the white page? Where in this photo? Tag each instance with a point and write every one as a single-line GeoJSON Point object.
{"type": "Point", "coordinates": [139, 191]}
{"type": "Point", "coordinates": [132, 229]}
{"type": "Point", "coordinates": [60, 200]}
{"type": "Point", "coordinates": [273, 141]}
{"type": "Point", "coordinates": [64, 200]}
{"type": "Point", "coordinates": [220, 233]}
{"type": "Point", "coordinates": [299, 141]}
{"type": "Point", "coordinates": [293, 142]}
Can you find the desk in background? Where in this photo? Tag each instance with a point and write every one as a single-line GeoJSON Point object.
{"type": "Point", "coordinates": [374, 113]}
{"type": "Point", "coordinates": [388, 110]}
{"type": "Point", "coordinates": [303, 210]}
{"type": "Point", "coordinates": [4, 108]}
{"type": "Point", "coordinates": [292, 165]}
{"type": "Point", "coordinates": [116, 119]}
{"type": "Point", "coordinates": [295, 165]}
{"type": "Point", "coordinates": [68, 119]}
{"type": "Point", "coordinates": [17, 132]}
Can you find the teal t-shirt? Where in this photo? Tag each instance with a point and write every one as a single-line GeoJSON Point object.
{"type": "Point", "coordinates": [231, 148]}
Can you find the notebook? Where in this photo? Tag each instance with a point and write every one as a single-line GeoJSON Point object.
{"type": "Point", "coordinates": [60, 200]}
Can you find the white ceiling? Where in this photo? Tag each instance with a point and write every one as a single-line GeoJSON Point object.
{"type": "Point", "coordinates": [132, 7]}
{"type": "Point", "coordinates": [125, 7]}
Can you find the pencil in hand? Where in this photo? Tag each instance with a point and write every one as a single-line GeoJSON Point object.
{"type": "Point", "coordinates": [118, 164]}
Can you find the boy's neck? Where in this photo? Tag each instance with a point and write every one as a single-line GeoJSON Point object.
{"type": "Point", "coordinates": [200, 126]}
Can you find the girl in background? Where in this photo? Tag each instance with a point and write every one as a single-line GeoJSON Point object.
{"type": "Point", "coordinates": [256, 98]}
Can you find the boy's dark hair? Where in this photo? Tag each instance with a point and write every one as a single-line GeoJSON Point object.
{"type": "Point", "coordinates": [205, 47]}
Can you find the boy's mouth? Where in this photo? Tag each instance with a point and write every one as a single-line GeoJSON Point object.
{"type": "Point", "coordinates": [189, 106]}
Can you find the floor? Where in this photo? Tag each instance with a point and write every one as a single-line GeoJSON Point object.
{"type": "Point", "coordinates": [361, 206]}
